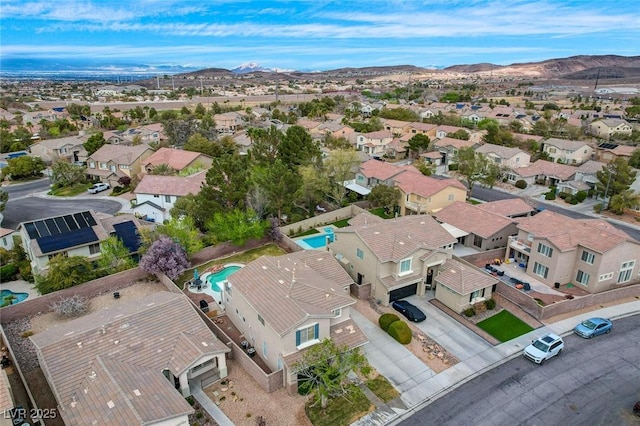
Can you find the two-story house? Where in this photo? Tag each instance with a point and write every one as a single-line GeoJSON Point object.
{"type": "Point", "coordinates": [567, 151]}
{"type": "Point", "coordinates": [111, 162]}
{"type": "Point", "coordinates": [590, 253]}
{"type": "Point", "coordinates": [156, 194]}
{"type": "Point", "coordinates": [505, 156]}
{"type": "Point", "coordinates": [606, 128]}
{"type": "Point", "coordinates": [422, 194]}
{"type": "Point", "coordinates": [177, 159]}
{"type": "Point", "coordinates": [286, 304]}
{"type": "Point", "coordinates": [374, 143]}
{"type": "Point", "coordinates": [374, 172]}
{"type": "Point", "coordinates": [449, 147]}
{"type": "Point", "coordinates": [70, 149]}
{"type": "Point", "coordinates": [395, 258]}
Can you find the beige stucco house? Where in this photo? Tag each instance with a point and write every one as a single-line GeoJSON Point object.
{"type": "Point", "coordinates": [69, 149]}
{"type": "Point", "coordinates": [608, 127]}
{"type": "Point", "coordinates": [111, 162]}
{"type": "Point", "coordinates": [589, 253]}
{"type": "Point", "coordinates": [567, 151]}
{"type": "Point", "coordinates": [505, 156]}
{"type": "Point", "coordinates": [131, 364]}
{"type": "Point", "coordinates": [177, 159]}
{"type": "Point", "coordinates": [286, 304]}
{"type": "Point", "coordinates": [374, 143]}
{"type": "Point", "coordinates": [423, 194]}
{"type": "Point", "coordinates": [460, 285]}
{"type": "Point", "coordinates": [395, 258]}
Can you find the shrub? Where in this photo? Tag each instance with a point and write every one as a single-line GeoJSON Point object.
{"type": "Point", "coordinates": [490, 304]}
{"type": "Point", "coordinates": [550, 195]}
{"type": "Point", "coordinates": [469, 312]}
{"type": "Point", "coordinates": [581, 196]}
{"type": "Point", "coordinates": [598, 208]}
{"type": "Point", "coordinates": [70, 306]}
{"type": "Point", "coordinates": [190, 400]}
{"type": "Point", "coordinates": [386, 320]}
{"type": "Point", "coordinates": [572, 200]}
{"type": "Point", "coordinates": [27, 334]}
{"type": "Point", "coordinates": [521, 184]}
{"type": "Point", "coordinates": [564, 195]}
{"type": "Point", "coordinates": [453, 167]}
{"type": "Point", "coordinates": [400, 331]}
{"type": "Point", "coordinates": [8, 272]}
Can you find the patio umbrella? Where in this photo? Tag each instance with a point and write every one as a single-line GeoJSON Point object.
{"type": "Point", "coordinates": [196, 274]}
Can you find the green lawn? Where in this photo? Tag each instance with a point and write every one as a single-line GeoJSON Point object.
{"type": "Point", "coordinates": [380, 212]}
{"type": "Point", "coordinates": [305, 233]}
{"type": "Point", "coordinates": [70, 191]}
{"type": "Point", "coordinates": [504, 326]}
{"type": "Point", "coordinates": [340, 411]}
{"type": "Point", "coordinates": [382, 388]}
{"type": "Point", "coordinates": [341, 223]}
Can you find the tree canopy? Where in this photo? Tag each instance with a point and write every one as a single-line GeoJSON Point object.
{"type": "Point", "coordinates": [165, 256]}
{"type": "Point", "coordinates": [614, 178]}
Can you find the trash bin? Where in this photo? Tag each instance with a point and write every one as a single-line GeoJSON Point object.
{"type": "Point", "coordinates": [556, 285]}
{"type": "Point", "coordinates": [204, 306]}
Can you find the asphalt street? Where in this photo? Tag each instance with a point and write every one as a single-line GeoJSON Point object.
{"type": "Point", "coordinates": [20, 190]}
{"type": "Point", "coordinates": [593, 382]}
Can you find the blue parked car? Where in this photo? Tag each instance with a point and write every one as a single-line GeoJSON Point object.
{"type": "Point", "coordinates": [412, 312]}
{"type": "Point", "coordinates": [593, 327]}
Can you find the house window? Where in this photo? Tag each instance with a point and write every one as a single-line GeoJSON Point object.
{"type": "Point", "coordinates": [92, 165]}
{"type": "Point", "coordinates": [405, 266]}
{"type": "Point", "coordinates": [545, 250]}
{"type": "Point", "coordinates": [123, 166]}
{"type": "Point", "coordinates": [477, 241]}
{"type": "Point", "coordinates": [260, 319]}
{"type": "Point", "coordinates": [625, 271]}
{"type": "Point", "coordinates": [337, 313]}
{"type": "Point", "coordinates": [113, 168]}
{"type": "Point", "coordinates": [103, 166]}
{"type": "Point", "coordinates": [451, 197]}
{"type": "Point", "coordinates": [359, 253]}
{"type": "Point", "coordinates": [474, 295]}
{"type": "Point", "coordinates": [94, 248]}
{"type": "Point", "coordinates": [582, 277]}
{"type": "Point", "coordinates": [540, 270]}
{"type": "Point", "coordinates": [588, 257]}
{"type": "Point", "coordinates": [307, 336]}
{"type": "Point", "coordinates": [167, 198]}
{"type": "Point", "coordinates": [605, 277]}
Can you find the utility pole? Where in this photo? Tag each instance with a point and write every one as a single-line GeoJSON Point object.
{"type": "Point", "coordinates": [173, 86]}
{"type": "Point", "coordinates": [158, 81]}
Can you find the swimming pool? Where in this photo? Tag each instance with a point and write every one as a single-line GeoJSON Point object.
{"type": "Point", "coordinates": [316, 241]}
{"type": "Point", "coordinates": [215, 281]}
{"type": "Point", "coordinates": [19, 297]}
{"type": "Point", "coordinates": [220, 277]}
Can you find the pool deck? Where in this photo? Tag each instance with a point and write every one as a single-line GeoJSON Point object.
{"type": "Point", "coordinates": [21, 286]}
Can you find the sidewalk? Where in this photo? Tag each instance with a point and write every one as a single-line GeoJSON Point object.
{"type": "Point", "coordinates": [435, 386]}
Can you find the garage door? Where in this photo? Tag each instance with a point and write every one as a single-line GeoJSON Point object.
{"type": "Point", "coordinates": [409, 290]}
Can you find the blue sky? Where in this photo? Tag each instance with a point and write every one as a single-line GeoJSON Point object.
{"type": "Point", "coordinates": [316, 35]}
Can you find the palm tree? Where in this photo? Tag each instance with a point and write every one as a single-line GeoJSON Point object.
{"type": "Point", "coordinates": [163, 170]}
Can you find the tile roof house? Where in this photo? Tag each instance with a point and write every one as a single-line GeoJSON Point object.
{"type": "Point", "coordinates": [374, 143]}
{"type": "Point", "coordinates": [73, 234]}
{"type": "Point", "coordinates": [511, 207]}
{"type": "Point", "coordinates": [131, 364]}
{"type": "Point", "coordinates": [6, 238]}
{"type": "Point", "coordinates": [590, 253]}
{"type": "Point", "coordinates": [567, 151]}
{"type": "Point", "coordinates": [69, 148]}
{"type": "Point", "coordinates": [111, 162]}
{"type": "Point", "coordinates": [423, 194]}
{"type": "Point", "coordinates": [392, 258]}
{"type": "Point", "coordinates": [587, 172]}
{"type": "Point", "coordinates": [177, 159]}
{"type": "Point", "coordinates": [484, 229]}
{"type": "Point", "coordinates": [459, 285]}
{"type": "Point", "coordinates": [448, 148]}
{"type": "Point", "coordinates": [396, 127]}
{"type": "Point", "coordinates": [543, 171]}
{"type": "Point", "coordinates": [149, 133]}
{"type": "Point", "coordinates": [608, 127]}
{"type": "Point", "coordinates": [286, 304]}
{"type": "Point", "coordinates": [374, 172]}
{"type": "Point", "coordinates": [505, 156]}
{"type": "Point", "coordinates": [228, 123]}
{"type": "Point", "coordinates": [156, 195]}
{"type": "Point", "coordinates": [607, 152]}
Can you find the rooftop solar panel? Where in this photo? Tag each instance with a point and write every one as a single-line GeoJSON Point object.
{"type": "Point", "coordinates": [62, 225]}
{"type": "Point", "coordinates": [75, 238]}
{"type": "Point", "coordinates": [52, 227]}
{"type": "Point", "coordinates": [31, 230]}
{"type": "Point", "coordinates": [70, 221]}
{"type": "Point", "coordinates": [608, 145]}
{"type": "Point", "coordinates": [128, 233]}
{"type": "Point", "coordinates": [42, 228]}
{"type": "Point", "coordinates": [89, 218]}
{"type": "Point", "coordinates": [80, 220]}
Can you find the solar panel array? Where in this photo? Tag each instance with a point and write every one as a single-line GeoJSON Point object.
{"type": "Point", "coordinates": [608, 145]}
{"type": "Point", "coordinates": [59, 233]}
{"type": "Point", "coordinates": [128, 233]}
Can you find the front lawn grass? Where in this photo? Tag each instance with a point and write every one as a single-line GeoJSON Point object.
{"type": "Point", "coordinates": [504, 326]}
{"type": "Point", "coordinates": [340, 411]}
{"type": "Point", "coordinates": [381, 213]}
{"type": "Point", "coordinates": [382, 388]}
{"type": "Point", "coordinates": [70, 191]}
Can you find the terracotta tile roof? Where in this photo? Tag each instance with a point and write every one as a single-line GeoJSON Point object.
{"type": "Point", "coordinates": [392, 240]}
{"type": "Point", "coordinates": [287, 290]}
{"type": "Point", "coordinates": [417, 183]}
{"type": "Point", "coordinates": [455, 143]}
{"type": "Point", "coordinates": [566, 233]}
{"type": "Point", "coordinates": [171, 185]}
{"type": "Point", "coordinates": [394, 123]}
{"type": "Point", "coordinates": [308, 124]}
{"type": "Point", "coordinates": [499, 150]}
{"type": "Point", "coordinates": [59, 143]}
{"type": "Point", "coordinates": [590, 167]}
{"type": "Point", "coordinates": [422, 126]}
{"type": "Point", "coordinates": [507, 208]}
{"type": "Point", "coordinates": [463, 278]}
{"type": "Point", "coordinates": [547, 168]}
{"type": "Point", "coordinates": [380, 134]}
{"type": "Point", "coordinates": [364, 219]}
{"type": "Point", "coordinates": [6, 231]}
{"type": "Point", "coordinates": [97, 365]}
{"type": "Point", "coordinates": [623, 150]}
{"type": "Point", "coordinates": [177, 159]}
{"type": "Point", "coordinates": [472, 219]}
{"type": "Point", "coordinates": [565, 144]}
{"type": "Point", "coordinates": [119, 154]}
{"type": "Point", "coordinates": [432, 154]}
{"type": "Point", "coordinates": [382, 170]}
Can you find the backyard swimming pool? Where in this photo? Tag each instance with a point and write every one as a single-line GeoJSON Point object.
{"type": "Point", "coordinates": [316, 241]}
{"type": "Point", "coordinates": [215, 281]}
{"type": "Point", "coordinates": [18, 297]}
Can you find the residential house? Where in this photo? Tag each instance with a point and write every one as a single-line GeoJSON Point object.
{"type": "Point", "coordinates": [505, 156]}
{"type": "Point", "coordinates": [284, 305]}
{"type": "Point", "coordinates": [609, 127]}
{"type": "Point", "coordinates": [311, 126]}
{"type": "Point", "coordinates": [542, 172]}
{"type": "Point", "coordinates": [443, 131]}
{"type": "Point", "coordinates": [573, 187]}
{"type": "Point", "coordinates": [177, 159]}
{"type": "Point", "coordinates": [156, 195]}
{"type": "Point", "coordinates": [397, 149]}
{"type": "Point", "coordinates": [396, 258]}
{"type": "Point", "coordinates": [374, 172]}
{"type": "Point", "coordinates": [587, 172]}
{"type": "Point", "coordinates": [415, 128]}
{"type": "Point", "coordinates": [227, 123]}
{"type": "Point", "coordinates": [481, 228]}
{"type": "Point", "coordinates": [449, 147]}
{"type": "Point", "coordinates": [6, 238]}
{"type": "Point", "coordinates": [422, 194]}
{"type": "Point", "coordinates": [511, 207]}
{"type": "Point", "coordinates": [147, 134]}
{"type": "Point", "coordinates": [70, 149]}
{"type": "Point", "coordinates": [131, 364]}
{"type": "Point", "coordinates": [589, 253]}
{"type": "Point", "coordinates": [567, 151]}
{"type": "Point", "coordinates": [374, 143]}
{"type": "Point", "coordinates": [335, 130]}
{"type": "Point", "coordinates": [607, 152]}
{"type": "Point", "coordinates": [111, 162]}
{"type": "Point", "coordinates": [74, 234]}
{"type": "Point", "coordinates": [460, 285]}
{"type": "Point", "coordinates": [502, 114]}
{"type": "Point", "coordinates": [34, 117]}
{"type": "Point", "coordinates": [243, 142]}
{"type": "Point", "coordinates": [395, 127]}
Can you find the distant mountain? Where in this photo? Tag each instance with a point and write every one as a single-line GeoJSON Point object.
{"type": "Point", "coordinates": [248, 67]}
{"type": "Point", "coordinates": [572, 67]}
